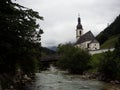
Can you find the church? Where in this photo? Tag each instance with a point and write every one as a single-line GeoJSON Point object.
{"type": "Point", "coordinates": [85, 41]}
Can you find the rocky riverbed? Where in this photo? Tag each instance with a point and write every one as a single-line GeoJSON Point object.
{"type": "Point", "coordinates": [54, 79]}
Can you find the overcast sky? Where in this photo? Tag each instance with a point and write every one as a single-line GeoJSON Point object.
{"type": "Point", "coordinates": [60, 17]}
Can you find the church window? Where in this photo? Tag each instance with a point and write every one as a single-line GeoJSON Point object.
{"type": "Point", "coordinates": [80, 32]}
{"type": "Point", "coordinates": [88, 45]}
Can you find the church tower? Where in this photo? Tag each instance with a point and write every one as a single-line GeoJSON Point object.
{"type": "Point", "coordinates": [79, 29]}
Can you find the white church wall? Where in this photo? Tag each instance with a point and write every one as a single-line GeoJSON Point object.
{"type": "Point", "coordinates": [83, 45]}
{"type": "Point", "coordinates": [80, 46]}
{"type": "Point", "coordinates": [79, 33]}
{"type": "Point", "coordinates": [87, 44]}
{"type": "Point", "coordinates": [94, 46]}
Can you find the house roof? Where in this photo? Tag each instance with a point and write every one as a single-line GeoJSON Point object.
{"type": "Point", "coordinates": [86, 37]}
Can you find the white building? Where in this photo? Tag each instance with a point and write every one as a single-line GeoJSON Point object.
{"type": "Point", "coordinates": [87, 40]}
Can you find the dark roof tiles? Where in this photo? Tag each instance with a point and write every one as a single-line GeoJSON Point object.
{"type": "Point", "coordinates": [86, 37]}
{"type": "Point", "coordinates": [94, 41]}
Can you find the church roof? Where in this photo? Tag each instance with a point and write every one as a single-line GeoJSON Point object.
{"type": "Point", "coordinates": [94, 41]}
{"type": "Point", "coordinates": [86, 37]}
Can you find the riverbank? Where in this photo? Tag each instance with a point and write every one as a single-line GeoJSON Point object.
{"type": "Point", "coordinates": [110, 86]}
{"type": "Point", "coordinates": [14, 82]}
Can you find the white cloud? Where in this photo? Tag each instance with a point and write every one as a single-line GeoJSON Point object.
{"type": "Point", "coordinates": [61, 17]}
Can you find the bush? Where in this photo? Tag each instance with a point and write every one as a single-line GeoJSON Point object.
{"type": "Point", "coordinates": [73, 59]}
{"type": "Point", "coordinates": [110, 67]}
{"type": "Point", "coordinates": [110, 64]}
{"type": "Point", "coordinates": [95, 61]}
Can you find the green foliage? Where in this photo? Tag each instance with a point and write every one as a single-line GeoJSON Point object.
{"type": "Point", "coordinates": [110, 64]}
{"type": "Point", "coordinates": [110, 43]}
{"type": "Point", "coordinates": [19, 37]}
{"type": "Point", "coordinates": [112, 29]}
{"type": "Point", "coordinates": [20, 47]}
{"type": "Point", "coordinates": [73, 59]}
{"type": "Point", "coordinates": [117, 49]}
{"type": "Point", "coordinates": [95, 61]}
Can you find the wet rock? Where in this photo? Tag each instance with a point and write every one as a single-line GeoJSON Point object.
{"type": "Point", "coordinates": [115, 82]}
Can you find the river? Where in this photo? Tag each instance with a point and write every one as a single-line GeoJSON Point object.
{"type": "Point", "coordinates": [54, 79]}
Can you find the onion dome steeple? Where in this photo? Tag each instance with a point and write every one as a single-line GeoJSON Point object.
{"type": "Point", "coordinates": [79, 29]}
{"type": "Point", "coordinates": [79, 26]}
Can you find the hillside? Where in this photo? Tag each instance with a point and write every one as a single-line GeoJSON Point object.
{"type": "Point", "coordinates": [110, 43]}
{"type": "Point", "coordinates": [54, 48]}
{"type": "Point", "coordinates": [109, 35]}
{"type": "Point", "coordinates": [46, 51]}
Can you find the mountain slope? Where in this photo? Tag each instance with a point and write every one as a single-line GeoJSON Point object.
{"type": "Point", "coordinates": [109, 35]}
{"type": "Point", "coordinates": [110, 43]}
{"type": "Point", "coordinates": [46, 51]}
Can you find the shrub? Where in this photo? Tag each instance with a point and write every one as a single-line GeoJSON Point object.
{"type": "Point", "coordinates": [73, 59]}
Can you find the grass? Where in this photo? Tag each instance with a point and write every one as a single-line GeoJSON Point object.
{"type": "Point", "coordinates": [110, 42]}
{"type": "Point", "coordinates": [95, 61]}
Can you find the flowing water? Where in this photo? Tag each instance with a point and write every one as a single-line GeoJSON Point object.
{"type": "Point", "coordinates": [54, 79]}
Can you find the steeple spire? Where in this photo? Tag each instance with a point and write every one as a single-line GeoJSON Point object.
{"type": "Point", "coordinates": [79, 21]}
{"type": "Point", "coordinates": [79, 26]}
{"type": "Point", "coordinates": [79, 29]}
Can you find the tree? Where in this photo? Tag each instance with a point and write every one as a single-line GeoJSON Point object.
{"type": "Point", "coordinates": [73, 59]}
{"type": "Point", "coordinates": [117, 48]}
{"type": "Point", "coordinates": [19, 37]}
{"type": "Point", "coordinates": [117, 58]}
{"type": "Point", "coordinates": [110, 64]}
{"type": "Point", "coordinates": [20, 46]}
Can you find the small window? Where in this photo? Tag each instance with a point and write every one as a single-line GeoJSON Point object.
{"type": "Point", "coordinates": [88, 46]}
{"type": "Point", "coordinates": [80, 32]}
